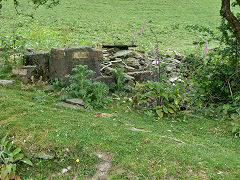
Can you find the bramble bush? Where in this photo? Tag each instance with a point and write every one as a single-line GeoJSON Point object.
{"type": "Point", "coordinates": [216, 76]}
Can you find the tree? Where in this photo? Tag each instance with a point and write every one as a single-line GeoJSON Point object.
{"type": "Point", "coordinates": [230, 17]}
{"type": "Point", "coordinates": [36, 3]}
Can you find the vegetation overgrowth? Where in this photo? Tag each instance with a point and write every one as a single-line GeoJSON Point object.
{"type": "Point", "coordinates": [165, 129]}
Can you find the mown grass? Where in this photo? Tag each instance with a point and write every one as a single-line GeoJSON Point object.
{"type": "Point", "coordinates": [208, 151]}
{"type": "Point", "coordinates": [94, 22]}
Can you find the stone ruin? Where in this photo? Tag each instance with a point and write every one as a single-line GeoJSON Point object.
{"type": "Point", "coordinates": [59, 62]}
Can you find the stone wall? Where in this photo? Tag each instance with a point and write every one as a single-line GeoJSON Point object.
{"type": "Point", "coordinates": [60, 62]}
{"type": "Point", "coordinates": [137, 66]}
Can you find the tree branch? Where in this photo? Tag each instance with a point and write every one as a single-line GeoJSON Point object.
{"type": "Point", "coordinates": [230, 17]}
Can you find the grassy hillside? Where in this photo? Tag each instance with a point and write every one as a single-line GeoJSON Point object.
{"type": "Point", "coordinates": [91, 22]}
{"type": "Point", "coordinates": [185, 146]}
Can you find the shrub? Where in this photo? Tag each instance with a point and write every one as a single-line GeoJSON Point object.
{"type": "Point", "coordinates": [162, 97]}
{"type": "Point", "coordinates": [120, 85]}
{"type": "Point", "coordinates": [94, 94]}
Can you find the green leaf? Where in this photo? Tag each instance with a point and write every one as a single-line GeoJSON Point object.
{"type": "Point", "coordinates": [157, 107]}
{"type": "Point", "coordinates": [5, 143]}
{"type": "Point", "coordinates": [176, 101]}
{"type": "Point", "coordinates": [18, 157]}
{"type": "Point", "coordinates": [3, 139]}
{"type": "Point", "coordinates": [4, 173]}
{"type": "Point", "coordinates": [14, 166]}
{"type": "Point", "coordinates": [165, 109]}
{"type": "Point", "coordinates": [166, 96]}
{"type": "Point", "coordinates": [9, 146]}
{"type": "Point", "coordinates": [173, 107]}
{"type": "Point", "coordinates": [16, 151]}
{"type": "Point", "coordinates": [235, 129]}
{"type": "Point", "coordinates": [27, 161]}
{"type": "Point", "coordinates": [158, 87]}
{"type": "Point", "coordinates": [160, 114]}
{"type": "Point", "coordinates": [9, 168]}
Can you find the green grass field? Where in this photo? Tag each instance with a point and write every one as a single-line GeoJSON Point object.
{"type": "Point", "coordinates": [93, 22]}
{"type": "Point", "coordinates": [183, 146]}
{"type": "Point", "coordinates": [207, 151]}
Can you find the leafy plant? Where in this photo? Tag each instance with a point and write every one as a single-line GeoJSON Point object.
{"type": "Point", "coordinates": [236, 130]}
{"type": "Point", "coordinates": [120, 84]}
{"type": "Point", "coordinates": [214, 77]}
{"type": "Point", "coordinates": [57, 85]}
{"type": "Point", "coordinates": [41, 97]}
{"type": "Point", "coordinates": [10, 158]}
{"type": "Point", "coordinates": [82, 86]}
{"type": "Point", "coordinates": [12, 50]}
{"type": "Point", "coordinates": [166, 96]}
{"type": "Point", "coordinates": [236, 124]}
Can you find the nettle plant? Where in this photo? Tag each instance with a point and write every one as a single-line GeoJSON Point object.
{"type": "Point", "coordinates": [94, 94]}
{"type": "Point", "coordinates": [9, 159]}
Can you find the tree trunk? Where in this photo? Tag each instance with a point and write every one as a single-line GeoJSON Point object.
{"type": "Point", "coordinates": [229, 16]}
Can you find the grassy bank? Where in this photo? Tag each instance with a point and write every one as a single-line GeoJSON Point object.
{"type": "Point", "coordinates": [183, 147]}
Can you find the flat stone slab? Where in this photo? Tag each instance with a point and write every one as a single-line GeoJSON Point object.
{"type": "Point", "coordinates": [104, 166]}
{"type": "Point", "coordinates": [143, 76]}
{"type": "Point", "coordinates": [24, 71]}
{"type": "Point", "coordinates": [122, 54]}
{"type": "Point", "coordinates": [120, 46]}
{"type": "Point", "coordinates": [8, 83]}
{"type": "Point", "coordinates": [75, 101]}
{"type": "Point", "coordinates": [136, 129]}
{"type": "Point", "coordinates": [43, 156]}
{"type": "Point", "coordinates": [67, 105]}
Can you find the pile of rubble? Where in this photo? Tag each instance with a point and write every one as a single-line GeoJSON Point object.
{"type": "Point", "coordinates": [59, 62]}
{"type": "Point", "coordinates": [138, 66]}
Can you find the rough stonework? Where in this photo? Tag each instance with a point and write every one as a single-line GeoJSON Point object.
{"type": "Point", "coordinates": [24, 73]}
{"type": "Point", "coordinates": [62, 61]}
{"type": "Point", "coordinates": [144, 76]}
{"type": "Point", "coordinates": [41, 60]}
{"type": "Point", "coordinates": [137, 65]}
{"type": "Point", "coordinates": [67, 105]}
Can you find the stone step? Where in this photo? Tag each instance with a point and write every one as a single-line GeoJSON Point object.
{"type": "Point", "coordinates": [75, 101]}
{"type": "Point", "coordinates": [8, 83]}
